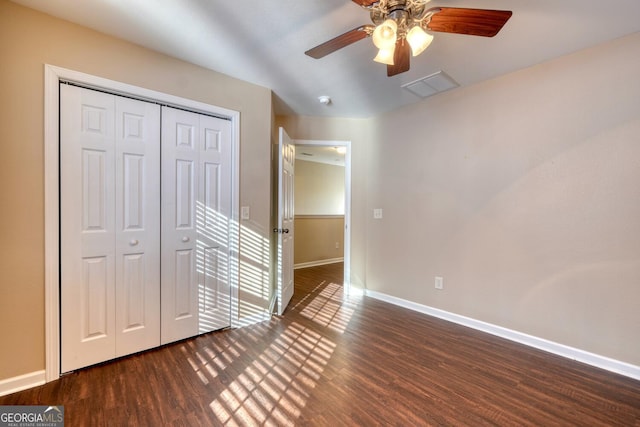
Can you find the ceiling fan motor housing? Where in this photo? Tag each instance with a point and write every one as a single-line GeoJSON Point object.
{"type": "Point", "coordinates": [404, 12]}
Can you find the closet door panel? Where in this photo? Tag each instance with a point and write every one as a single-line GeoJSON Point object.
{"type": "Point", "coordinates": [213, 237]}
{"type": "Point", "coordinates": [138, 225]}
{"type": "Point", "coordinates": [109, 226]}
{"type": "Point", "coordinates": [87, 227]}
{"type": "Point", "coordinates": [196, 187]}
{"type": "Point", "coordinates": [180, 141]}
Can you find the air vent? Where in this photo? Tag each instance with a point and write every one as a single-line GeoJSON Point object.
{"type": "Point", "coordinates": [430, 85]}
{"type": "Point", "coordinates": [307, 154]}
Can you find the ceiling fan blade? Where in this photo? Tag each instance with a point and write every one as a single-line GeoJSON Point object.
{"type": "Point", "coordinates": [341, 41]}
{"type": "Point", "coordinates": [365, 3]}
{"type": "Point", "coordinates": [401, 58]}
{"type": "Point", "coordinates": [475, 22]}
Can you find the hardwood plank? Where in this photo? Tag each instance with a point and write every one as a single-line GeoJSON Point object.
{"type": "Point", "coordinates": [330, 361]}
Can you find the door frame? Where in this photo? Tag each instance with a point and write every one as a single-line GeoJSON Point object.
{"type": "Point", "coordinates": [53, 75]}
{"type": "Point", "coordinates": [347, 200]}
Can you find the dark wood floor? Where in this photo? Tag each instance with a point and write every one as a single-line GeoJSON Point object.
{"type": "Point", "coordinates": [333, 362]}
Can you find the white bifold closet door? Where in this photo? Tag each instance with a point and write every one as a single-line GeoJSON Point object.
{"type": "Point", "coordinates": [196, 220]}
{"type": "Point", "coordinates": [109, 226]}
{"type": "Point", "coordinates": [144, 258]}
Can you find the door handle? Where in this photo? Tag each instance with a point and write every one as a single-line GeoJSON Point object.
{"type": "Point", "coordinates": [133, 242]}
{"type": "Point", "coordinates": [185, 239]}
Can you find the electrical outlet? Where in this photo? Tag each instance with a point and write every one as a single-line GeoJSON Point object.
{"type": "Point", "coordinates": [337, 245]}
{"type": "Point", "coordinates": [245, 212]}
{"type": "Point", "coordinates": [439, 283]}
{"type": "Point", "coordinates": [377, 213]}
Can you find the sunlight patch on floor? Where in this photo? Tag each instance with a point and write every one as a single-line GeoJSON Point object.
{"type": "Point", "coordinates": [275, 387]}
{"type": "Point", "coordinates": [211, 360]}
{"type": "Point", "coordinates": [329, 308]}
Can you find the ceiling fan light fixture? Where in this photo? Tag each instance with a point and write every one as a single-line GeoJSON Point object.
{"type": "Point", "coordinates": [418, 39]}
{"type": "Point", "coordinates": [385, 56]}
{"type": "Point", "coordinates": [395, 21]}
{"type": "Point", "coordinates": [384, 36]}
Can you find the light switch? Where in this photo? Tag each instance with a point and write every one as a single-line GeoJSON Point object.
{"type": "Point", "coordinates": [245, 212]}
{"type": "Point", "coordinates": [377, 213]}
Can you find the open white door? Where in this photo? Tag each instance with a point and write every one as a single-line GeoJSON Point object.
{"type": "Point", "coordinates": [284, 229]}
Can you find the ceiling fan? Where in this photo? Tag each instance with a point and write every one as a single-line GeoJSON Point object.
{"type": "Point", "coordinates": [400, 29]}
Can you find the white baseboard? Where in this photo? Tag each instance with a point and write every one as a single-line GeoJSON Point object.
{"type": "Point", "coordinates": [21, 382]}
{"type": "Point", "coordinates": [317, 263]}
{"type": "Point", "coordinates": [272, 303]}
{"type": "Point", "coordinates": [592, 359]}
{"type": "Point", "coordinates": [258, 317]}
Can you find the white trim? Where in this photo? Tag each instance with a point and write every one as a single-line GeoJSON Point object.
{"type": "Point", "coordinates": [51, 224]}
{"type": "Point", "coordinates": [317, 263]}
{"type": "Point", "coordinates": [52, 76]}
{"type": "Point", "coordinates": [261, 316]}
{"type": "Point", "coordinates": [272, 303]}
{"type": "Point", "coordinates": [318, 216]}
{"type": "Point", "coordinates": [234, 254]}
{"type": "Point", "coordinates": [119, 88]}
{"type": "Point", "coordinates": [21, 382]}
{"type": "Point", "coordinates": [577, 354]}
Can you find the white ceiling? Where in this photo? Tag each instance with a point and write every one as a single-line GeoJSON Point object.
{"type": "Point", "coordinates": [263, 42]}
{"type": "Point", "coordinates": [320, 154]}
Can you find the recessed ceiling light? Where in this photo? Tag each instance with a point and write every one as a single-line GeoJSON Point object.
{"type": "Point", "coordinates": [324, 99]}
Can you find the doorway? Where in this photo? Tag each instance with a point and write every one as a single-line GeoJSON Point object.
{"type": "Point", "coordinates": [333, 154]}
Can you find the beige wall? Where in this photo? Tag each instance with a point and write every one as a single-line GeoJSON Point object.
{"type": "Point", "coordinates": [318, 238]}
{"type": "Point", "coordinates": [319, 188]}
{"type": "Point", "coordinates": [522, 192]}
{"type": "Point", "coordinates": [28, 40]}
